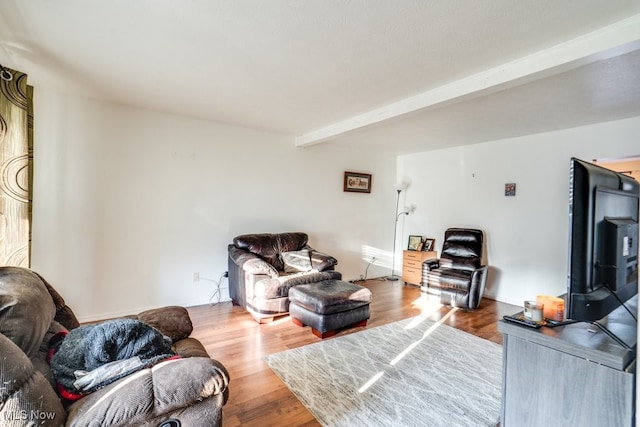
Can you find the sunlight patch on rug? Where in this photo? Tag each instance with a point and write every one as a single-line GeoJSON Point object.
{"type": "Point", "coordinates": [414, 372]}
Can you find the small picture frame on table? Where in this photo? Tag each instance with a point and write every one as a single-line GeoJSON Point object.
{"type": "Point", "coordinates": [415, 243]}
{"type": "Point", "coordinates": [428, 244]}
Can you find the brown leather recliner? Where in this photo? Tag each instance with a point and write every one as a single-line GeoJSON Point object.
{"type": "Point", "coordinates": [189, 390]}
{"type": "Point", "coordinates": [458, 277]}
{"type": "Point", "coordinates": [263, 267]}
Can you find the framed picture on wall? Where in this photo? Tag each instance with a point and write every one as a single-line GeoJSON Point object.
{"type": "Point", "coordinates": [357, 182]}
{"type": "Point", "coordinates": [415, 243]}
{"type": "Point", "coordinates": [429, 244]}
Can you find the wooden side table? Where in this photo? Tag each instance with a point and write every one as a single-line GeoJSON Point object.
{"type": "Point", "coordinates": [412, 265]}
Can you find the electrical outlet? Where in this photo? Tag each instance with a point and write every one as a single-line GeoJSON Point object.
{"type": "Point", "coordinates": [196, 277]}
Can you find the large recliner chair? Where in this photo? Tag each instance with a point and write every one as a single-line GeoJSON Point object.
{"type": "Point", "coordinates": [263, 267]}
{"type": "Point", "coordinates": [458, 277]}
{"type": "Point", "coordinates": [189, 390]}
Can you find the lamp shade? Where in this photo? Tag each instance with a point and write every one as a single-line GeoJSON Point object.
{"type": "Point", "coordinates": [401, 186]}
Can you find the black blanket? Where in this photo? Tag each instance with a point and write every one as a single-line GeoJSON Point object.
{"type": "Point", "coordinates": [91, 347]}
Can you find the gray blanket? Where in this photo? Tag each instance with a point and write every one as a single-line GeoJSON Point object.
{"type": "Point", "coordinates": [110, 350]}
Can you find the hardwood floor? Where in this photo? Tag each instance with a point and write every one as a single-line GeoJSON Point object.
{"type": "Point", "coordinates": [258, 397]}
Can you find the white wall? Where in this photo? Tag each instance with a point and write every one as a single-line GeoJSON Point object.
{"type": "Point", "coordinates": [526, 235]}
{"type": "Point", "coordinates": [129, 203]}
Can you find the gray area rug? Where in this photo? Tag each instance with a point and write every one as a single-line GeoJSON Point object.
{"type": "Point", "coordinates": [414, 372]}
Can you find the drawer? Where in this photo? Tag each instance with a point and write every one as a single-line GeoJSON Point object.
{"type": "Point", "coordinates": [410, 263]}
{"type": "Point", "coordinates": [418, 256]}
{"type": "Point", "coordinates": [412, 271]}
{"type": "Point", "coordinates": [413, 256]}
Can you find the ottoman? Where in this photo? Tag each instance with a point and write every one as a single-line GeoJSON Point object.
{"type": "Point", "coordinates": [329, 305]}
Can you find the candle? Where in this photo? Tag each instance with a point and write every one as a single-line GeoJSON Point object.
{"type": "Point", "coordinates": [553, 307]}
{"type": "Point", "coordinates": [533, 310]}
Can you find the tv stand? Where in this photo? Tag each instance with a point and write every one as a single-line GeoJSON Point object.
{"type": "Point", "coordinates": [570, 375]}
{"type": "Point", "coordinates": [613, 336]}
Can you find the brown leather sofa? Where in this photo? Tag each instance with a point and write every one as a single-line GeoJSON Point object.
{"type": "Point", "coordinates": [188, 389]}
{"type": "Point", "coordinates": [458, 277]}
{"type": "Point", "coordinates": [263, 267]}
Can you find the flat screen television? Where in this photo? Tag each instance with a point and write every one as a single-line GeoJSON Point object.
{"type": "Point", "coordinates": [603, 241]}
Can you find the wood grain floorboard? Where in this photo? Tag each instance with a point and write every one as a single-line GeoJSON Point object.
{"type": "Point", "coordinates": [257, 396]}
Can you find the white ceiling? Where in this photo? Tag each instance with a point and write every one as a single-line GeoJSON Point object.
{"type": "Point", "coordinates": [397, 75]}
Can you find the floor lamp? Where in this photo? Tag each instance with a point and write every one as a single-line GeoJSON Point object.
{"type": "Point", "coordinates": [399, 188]}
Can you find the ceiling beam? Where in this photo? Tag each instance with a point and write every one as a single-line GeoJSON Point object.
{"type": "Point", "coordinates": [613, 40]}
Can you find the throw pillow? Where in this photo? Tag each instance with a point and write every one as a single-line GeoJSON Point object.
{"type": "Point", "coordinates": [296, 261]}
{"type": "Point", "coordinates": [305, 260]}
